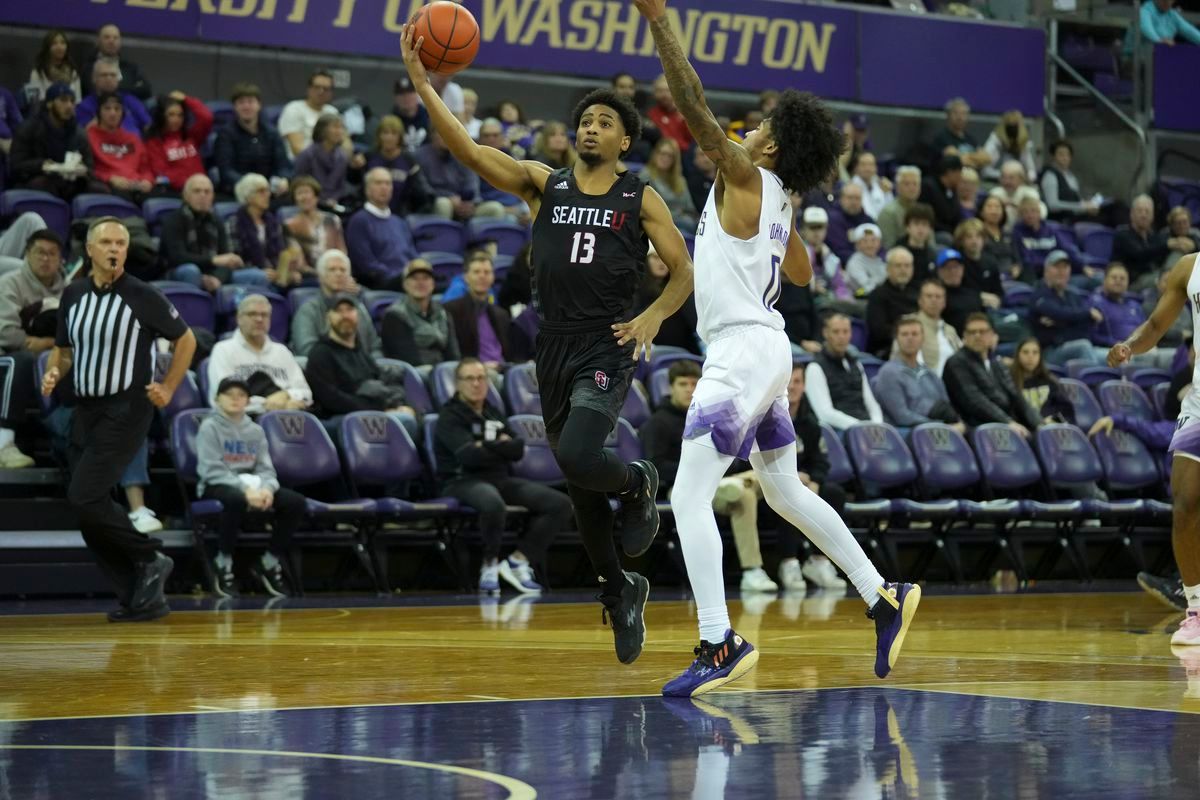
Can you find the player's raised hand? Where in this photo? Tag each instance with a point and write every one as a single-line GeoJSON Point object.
{"type": "Point", "coordinates": [641, 330]}
{"type": "Point", "coordinates": [651, 9]}
{"type": "Point", "coordinates": [1119, 354]}
{"type": "Point", "coordinates": [410, 50]}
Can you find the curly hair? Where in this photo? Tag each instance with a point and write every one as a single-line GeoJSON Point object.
{"type": "Point", "coordinates": [630, 119]}
{"type": "Point", "coordinates": [808, 142]}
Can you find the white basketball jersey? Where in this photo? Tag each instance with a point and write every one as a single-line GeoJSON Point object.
{"type": "Point", "coordinates": [1191, 401]}
{"type": "Point", "coordinates": [737, 281]}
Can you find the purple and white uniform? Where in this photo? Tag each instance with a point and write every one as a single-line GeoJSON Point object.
{"type": "Point", "coordinates": [1186, 441]}
{"type": "Point", "coordinates": [740, 403]}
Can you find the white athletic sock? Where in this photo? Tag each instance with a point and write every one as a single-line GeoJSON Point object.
{"type": "Point", "coordinates": [269, 560]}
{"type": "Point", "coordinates": [700, 470]}
{"type": "Point", "coordinates": [1192, 593]}
{"type": "Point", "coordinates": [224, 560]}
{"type": "Point", "coordinates": [6, 437]}
{"type": "Point", "coordinates": [793, 501]}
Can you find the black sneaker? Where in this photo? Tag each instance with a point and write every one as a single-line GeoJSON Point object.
{"type": "Point", "coordinates": [224, 584]}
{"type": "Point", "coordinates": [271, 578]}
{"type": "Point", "coordinates": [1165, 590]}
{"type": "Point", "coordinates": [626, 615]}
{"type": "Point", "coordinates": [149, 581]}
{"type": "Point", "coordinates": [639, 514]}
{"type": "Point", "coordinates": [146, 614]}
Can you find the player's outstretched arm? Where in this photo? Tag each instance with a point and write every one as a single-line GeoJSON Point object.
{"type": "Point", "coordinates": [526, 179]}
{"type": "Point", "coordinates": [1148, 334]}
{"type": "Point", "coordinates": [730, 157]}
{"type": "Point", "coordinates": [669, 244]}
{"type": "Point", "coordinates": [796, 265]}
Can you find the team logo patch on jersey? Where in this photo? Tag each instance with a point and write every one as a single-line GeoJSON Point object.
{"type": "Point", "coordinates": [174, 313]}
{"type": "Point", "coordinates": [628, 194]}
{"type": "Point", "coordinates": [560, 185]}
{"type": "Point", "coordinates": [602, 381]}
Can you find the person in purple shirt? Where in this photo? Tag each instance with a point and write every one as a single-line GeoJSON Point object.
{"type": "Point", "coordinates": [1122, 313]}
{"type": "Point", "coordinates": [1034, 239]}
{"type": "Point", "coordinates": [106, 77]}
{"type": "Point", "coordinates": [480, 325]}
{"type": "Point", "coordinates": [453, 181]}
{"type": "Point", "coordinates": [846, 217]}
{"type": "Point", "coordinates": [1062, 316]}
{"type": "Point", "coordinates": [380, 243]}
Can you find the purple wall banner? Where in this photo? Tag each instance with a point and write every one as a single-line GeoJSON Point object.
{"type": "Point", "coordinates": [923, 62]}
{"type": "Point", "coordinates": [1176, 101]}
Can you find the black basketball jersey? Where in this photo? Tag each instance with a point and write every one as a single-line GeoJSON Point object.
{"type": "Point", "coordinates": [589, 251]}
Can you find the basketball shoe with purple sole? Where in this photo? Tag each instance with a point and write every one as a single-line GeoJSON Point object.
{"type": "Point", "coordinates": [893, 613]}
{"type": "Point", "coordinates": [715, 665]}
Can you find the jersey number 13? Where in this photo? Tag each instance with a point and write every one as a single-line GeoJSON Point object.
{"type": "Point", "coordinates": [583, 248]}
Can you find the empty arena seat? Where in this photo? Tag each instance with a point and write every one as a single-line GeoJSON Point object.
{"type": "Point", "coordinates": [1126, 462]}
{"type": "Point", "coordinates": [155, 209]}
{"type": "Point", "coordinates": [1068, 458]}
{"type": "Point", "coordinates": [300, 295]}
{"type": "Point", "coordinates": [415, 392]}
{"type": "Point", "coordinates": [184, 427]}
{"type": "Point", "coordinates": [1008, 465]}
{"type": "Point", "coordinates": [660, 387]}
{"type": "Point", "coordinates": [102, 205]}
{"type": "Point", "coordinates": [1087, 410]}
{"type": "Point", "coordinates": [54, 211]}
{"type": "Point", "coordinates": [435, 233]}
{"type": "Point", "coordinates": [636, 408]}
{"type": "Point", "coordinates": [225, 209]}
{"type": "Point", "coordinates": [521, 390]}
{"type": "Point", "coordinates": [1158, 396]}
{"type": "Point", "coordinates": [660, 360]}
{"type": "Point", "coordinates": [445, 267]}
{"type": "Point", "coordinates": [195, 306]}
{"type": "Point", "coordinates": [510, 237]}
{"type": "Point", "coordinates": [1123, 397]}
{"type": "Point", "coordinates": [626, 442]}
{"type": "Point", "coordinates": [378, 452]}
{"type": "Point", "coordinates": [1099, 244]}
{"type": "Point", "coordinates": [186, 397]}
{"type": "Point", "coordinates": [841, 471]}
{"type": "Point", "coordinates": [538, 463]}
{"type": "Point", "coordinates": [1094, 376]}
{"type": "Point", "coordinates": [880, 457]}
{"type": "Point", "coordinates": [1148, 378]}
{"type": "Point", "coordinates": [304, 455]}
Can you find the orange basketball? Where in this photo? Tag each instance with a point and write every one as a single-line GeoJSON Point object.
{"type": "Point", "coordinates": [451, 37]}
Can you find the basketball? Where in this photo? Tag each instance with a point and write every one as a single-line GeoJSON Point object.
{"type": "Point", "coordinates": [451, 37]}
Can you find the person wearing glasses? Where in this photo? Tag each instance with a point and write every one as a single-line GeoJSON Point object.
{"type": "Point", "coordinates": [299, 117]}
{"type": "Point", "coordinates": [980, 385]}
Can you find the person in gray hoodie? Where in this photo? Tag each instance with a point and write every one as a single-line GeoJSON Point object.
{"type": "Point", "coordinates": [234, 466]}
{"type": "Point", "coordinates": [29, 299]}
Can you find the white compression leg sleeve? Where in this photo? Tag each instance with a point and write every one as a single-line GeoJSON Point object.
{"type": "Point", "coordinates": [793, 501]}
{"type": "Point", "coordinates": [700, 470]}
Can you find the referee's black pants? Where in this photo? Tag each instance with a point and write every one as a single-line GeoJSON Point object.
{"type": "Point", "coordinates": [105, 434]}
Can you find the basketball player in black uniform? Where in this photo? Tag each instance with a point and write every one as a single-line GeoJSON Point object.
{"type": "Point", "coordinates": [589, 253]}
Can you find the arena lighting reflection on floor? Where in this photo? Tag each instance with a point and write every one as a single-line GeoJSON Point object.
{"type": "Point", "coordinates": [831, 743]}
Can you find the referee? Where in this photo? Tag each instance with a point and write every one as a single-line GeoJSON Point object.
{"type": "Point", "coordinates": [107, 326]}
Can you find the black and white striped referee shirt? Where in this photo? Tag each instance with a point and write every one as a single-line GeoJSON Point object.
{"type": "Point", "coordinates": [112, 332]}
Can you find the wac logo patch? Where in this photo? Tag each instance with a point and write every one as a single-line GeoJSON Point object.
{"type": "Point", "coordinates": [602, 381]}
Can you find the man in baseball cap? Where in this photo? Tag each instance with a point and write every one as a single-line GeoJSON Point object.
{"type": "Point", "coordinates": [1062, 317]}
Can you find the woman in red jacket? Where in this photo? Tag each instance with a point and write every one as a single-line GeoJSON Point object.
{"type": "Point", "coordinates": [119, 158]}
{"type": "Point", "coordinates": [175, 149]}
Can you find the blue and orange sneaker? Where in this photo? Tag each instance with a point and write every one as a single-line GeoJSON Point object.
{"type": "Point", "coordinates": [715, 665]}
{"type": "Point", "coordinates": [893, 613]}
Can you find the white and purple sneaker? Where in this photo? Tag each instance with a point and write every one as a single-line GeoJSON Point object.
{"type": "Point", "coordinates": [893, 613]}
{"type": "Point", "coordinates": [519, 575]}
{"type": "Point", "coordinates": [715, 665]}
{"type": "Point", "coordinates": [1189, 629]}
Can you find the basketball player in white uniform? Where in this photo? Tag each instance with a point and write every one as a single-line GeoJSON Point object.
{"type": "Point", "coordinates": [1183, 285]}
{"type": "Point", "coordinates": [745, 243]}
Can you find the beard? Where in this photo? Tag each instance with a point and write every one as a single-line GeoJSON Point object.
{"type": "Point", "coordinates": [592, 158]}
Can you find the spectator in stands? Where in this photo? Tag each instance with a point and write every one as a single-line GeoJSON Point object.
{"type": "Point", "coordinates": [299, 117]}
{"type": "Point", "coordinates": [233, 464]}
{"type": "Point", "coordinates": [909, 387]}
{"type": "Point", "coordinates": [516, 292]}
{"type": "Point", "coordinates": [891, 300]}
{"type": "Point", "coordinates": [1181, 382]}
{"type": "Point", "coordinates": [1063, 317]}
{"type": "Point", "coordinates": [174, 144]}
{"type": "Point", "coordinates": [738, 492]}
{"type": "Point", "coordinates": [454, 182]}
{"type": "Point", "coordinates": [311, 320]}
{"type": "Point", "coordinates": [1012, 188]}
{"type": "Point", "coordinates": [10, 120]}
{"type": "Point", "coordinates": [468, 118]}
{"type": "Point", "coordinates": [837, 386]}
{"type": "Point", "coordinates": [516, 127]}
{"type": "Point", "coordinates": [480, 326]}
{"type": "Point", "coordinates": [411, 193]}
{"type": "Point", "coordinates": [1161, 23]}
{"type": "Point", "coordinates": [416, 328]}
{"type": "Point", "coordinates": [14, 241]}
{"type": "Point", "coordinates": [1038, 385]}
{"type": "Point", "coordinates": [381, 245]}
{"type": "Point", "coordinates": [195, 244]}
{"type": "Point", "coordinates": [1137, 247]}
{"type": "Point", "coordinates": [1180, 236]}
{"type": "Point", "coordinates": [270, 371]}
{"type": "Point", "coordinates": [846, 217]}
{"type": "Point", "coordinates": [957, 140]}
{"type": "Point", "coordinates": [939, 338]}
{"type": "Point", "coordinates": [664, 172]}
{"type": "Point", "coordinates": [666, 117]}
{"type": "Point", "coordinates": [313, 229]}
{"type": "Point", "coordinates": [491, 134]}
{"type": "Point", "coordinates": [106, 79]}
{"type": "Point", "coordinates": [626, 85]}
{"type": "Point", "coordinates": [1060, 188]}
{"type": "Point", "coordinates": [53, 64]}
{"type": "Point", "coordinates": [857, 135]}
{"type": "Point", "coordinates": [865, 270]}
{"type": "Point", "coordinates": [918, 239]}
{"type": "Point", "coordinates": [450, 92]}
{"type": "Point", "coordinates": [120, 158]}
{"type": "Point", "coordinates": [108, 46]}
{"type": "Point", "coordinates": [961, 301]}
{"type": "Point", "coordinates": [248, 144]}
{"type": "Point", "coordinates": [345, 377]}
{"type": "Point", "coordinates": [407, 106]}
{"type": "Point", "coordinates": [475, 450]}
{"type": "Point", "coordinates": [50, 151]}
{"type": "Point", "coordinates": [29, 299]}
{"type": "Point", "coordinates": [257, 236]}
{"type": "Point", "coordinates": [1034, 239]}
{"type": "Point", "coordinates": [996, 239]}
{"type": "Point", "coordinates": [877, 191]}
{"type": "Point", "coordinates": [325, 160]}
{"type": "Point", "coordinates": [1182, 327]}
{"type": "Point", "coordinates": [1120, 312]}
{"type": "Point", "coordinates": [700, 177]}
{"type": "Point", "coordinates": [940, 192]}
{"type": "Point", "coordinates": [981, 268]}
{"type": "Point", "coordinates": [799, 310]}
{"type": "Point", "coordinates": [458, 285]}
{"type": "Point", "coordinates": [968, 193]}
{"type": "Point", "coordinates": [829, 288]}
{"type": "Point", "coordinates": [679, 329]}
{"type": "Point", "coordinates": [1009, 142]}
{"type": "Point", "coordinates": [891, 216]}
{"type": "Point", "coordinates": [553, 147]}
{"type": "Point", "coordinates": [981, 387]}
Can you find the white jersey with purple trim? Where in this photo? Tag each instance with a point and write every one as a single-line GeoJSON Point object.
{"type": "Point", "coordinates": [737, 281]}
{"type": "Point", "coordinates": [1191, 401]}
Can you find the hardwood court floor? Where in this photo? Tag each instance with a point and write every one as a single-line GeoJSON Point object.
{"type": "Point", "coordinates": [1099, 653]}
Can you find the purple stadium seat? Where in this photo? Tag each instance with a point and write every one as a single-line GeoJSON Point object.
{"type": "Point", "coordinates": [102, 205]}
{"type": "Point", "coordinates": [1068, 458]}
{"type": "Point", "coordinates": [415, 392]}
{"type": "Point", "coordinates": [538, 464]}
{"type": "Point", "coordinates": [880, 457]}
{"type": "Point", "coordinates": [1087, 410]}
{"type": "Point", "coordinates": [39, 369]}
{"type": "Point", "coordinates": [870, 364]}
{"type": "Point", "coordinates": [1077, 365]}
{"type": "Point", "coordinates": [299, 296]}
{"type": "Point", "coordinates": [944, 459]}
{"type": "Point", "coordinates": [1126, 462]}
{"type": "Point", "coordinates": [1082, 229]}
{"type": "Point", "coordinates": [509, 237]}
{"type": "Point", "coordinates": [1008, 464]}
{"type": "Point", "coordinates": [1094, 376]}
{"type": "Point", "coordinates": [378, 452]}
{"type": "Point", "coordinates": [202, 380]}
{"type": "Point", "coordinates": [659, 360]}
{"type": "Point", "coordinates": [187, 397]}
{"type": "Point", "coordinates": [445, 267]}
{"type": "Point", "coordinates": [858, 333]}
{"type": "Point", "coordinates": [1158, 395]}
{"type": "Point", "coordinates": [304, 455]}
{"type": "Point", "coordinates": [437, 234]}
{"type": "Point", "coordinates": [225, 209]}
{"type": "Point", "coordinates": [1057, 370]}
{"type": "Point", "coordinates": [194, 305]}
{"type": "Point", "coordinates": [1123, 397]}
{"type": "Point", "coordinates": [627, 444]}
{"type": "Point", "coordinates": [54, 211]}
{"type": "Point", "coordinates": [660, 387]}
{"type": "Point", "coordinates": [1099, 244]}
{"type": "Point", "coordinates": [184, 427]}
{"type": "Point", "coordinates": [155, 208]}
{"type": "Point", "coordinates": [271, 114]}
{"type": "Point", "coordinates": [1147, 378]}
{"type": "Point", "coordinates": [636, 409]}
{"type": "Point", "coordinates": [441, 382]}
{"type": "Point", "coordinates": [1017, 295]}
{"type": "Point", "coordinates": [222, 111]}
{"type": "Point", "coordinates": [842, 471]}
{"type": "Point", "coordinates": [521, 390]}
